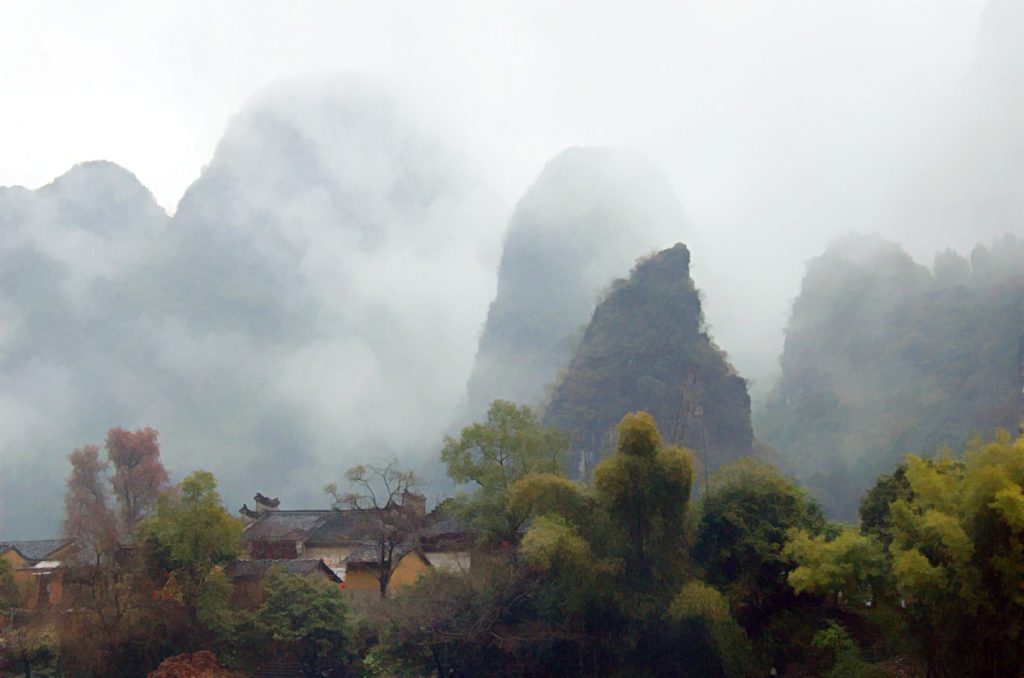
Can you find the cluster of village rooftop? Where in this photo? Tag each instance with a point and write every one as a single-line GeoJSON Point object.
{"type": "Point", "coordinates": [337, 546]}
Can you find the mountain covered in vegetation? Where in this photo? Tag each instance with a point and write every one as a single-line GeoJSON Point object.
{"type": "Point", "coordinates": [64, 351]}
{"type": "Point", "coordinates": [646, 349]}
{"type": "Point", "coordinates": [295, 306]}
{"type": "Point", "coordinates": [884, 357]}
{"type": "Point", "coordinates": [585, 220]}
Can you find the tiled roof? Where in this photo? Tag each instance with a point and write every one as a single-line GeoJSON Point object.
{"type": "Point", "coordinates": [363, 555]}
{"type": "Point", "coordinates": [259, 568]}
{"type": "Point", "coordinates": [368, 555]}
{"type": "Point", "coordinates": [35, 550]}
{"type": "Point", "coordinates": [457, 562]}
{"type": "Point", "coordinates": [322, 528]}
{"type": "Point", "coordinates": [446, 527]}
{"type": "Point", "coordinates": [345, 526]}
{"type": "Point", "coordinates": [336, 527]}
{"type": "Point", "coordinates": [285, 525]}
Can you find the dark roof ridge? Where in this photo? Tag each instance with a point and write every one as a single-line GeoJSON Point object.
{"type": "Point", "coordinates": [36, 549]}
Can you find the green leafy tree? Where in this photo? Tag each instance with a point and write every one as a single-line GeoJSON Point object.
{"type": "Point", "coordinates": [645, 489]}
{"type": "Point", "coordinates": [838, 655]}
{"type": "Point", "coordinates": [538, 494]}
{"type": "Point", "coordinates": [874, 505]}
{"type": "Point", "coordinates": [191, 537]}
{"type": "Point", "coordinates": [305, 621]}
{"type": "Point", "coordinates": [698, 603]}
{"type": "Point", "coordinates": [9, 592]}
{"type": "Point", "coordinates": [496, 453]}
{"type": "Point", "coordinates": [958, 559]}
{"type": "Point", "coordinates": [848, 564]}
{"type": "Point", "coordinates": [740, 531]}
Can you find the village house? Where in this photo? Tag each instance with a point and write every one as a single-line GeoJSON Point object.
{"type": "Point", "coordinates": [38, 569]}
{"type": "Point", "coordinates": [247, 577]}
{"type": "Point", "coordinates": [347, 540]}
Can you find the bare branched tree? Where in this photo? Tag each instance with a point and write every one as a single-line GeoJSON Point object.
{"type": "Point", "coordinates": [393, 512]}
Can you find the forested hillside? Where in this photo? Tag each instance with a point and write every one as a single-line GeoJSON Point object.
{"type": "Point", "coordinates": [299, 296]}
{"type": "Point", "coordinates": [884, 357]}
{"type": "Point", "coordinates": [646, 348]}
{"type": "Point", "coordinates": [583, 222]}
{"type": "Point", "coordinates": [64, 350]}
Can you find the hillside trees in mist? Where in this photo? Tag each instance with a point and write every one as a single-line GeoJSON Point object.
{"type": "Point", "coordinates": [883, 356]}
{"type": "Point", "coordinates": [66, 356]}
{"type": "Point", "coordinates": [646, 348]}
{"type": "Point", "coordinates": [582, 223]}
{"type": "Point", "coordinates": [301, 289]}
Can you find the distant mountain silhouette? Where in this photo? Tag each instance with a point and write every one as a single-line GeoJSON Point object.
{"type": "Point", "coordinates": [584, 221]}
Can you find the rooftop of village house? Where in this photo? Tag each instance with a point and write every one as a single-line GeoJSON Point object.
{"type": "Point", "coordinates": [36, 550]}
{"type": "Point", "coordinates": [331, 526]}
{"type": "Point", "coordinates": [257, 569]}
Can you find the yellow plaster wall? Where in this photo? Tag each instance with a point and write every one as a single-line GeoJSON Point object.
{"type": "Point", "coordinates": [410, 567]}
{"type": "Point", "coordinates": [14, 558]}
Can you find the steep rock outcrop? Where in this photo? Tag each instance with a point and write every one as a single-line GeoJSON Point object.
{"type": "Point", "coordinates": [587, 217]}
{"type": "Point", "coordinates": [646, 349]}
{"type": "Point", "coordinates": [884, 357]}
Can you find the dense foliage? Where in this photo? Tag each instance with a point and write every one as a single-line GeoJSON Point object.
{"type": "Point", "coordinates": [495, 454]}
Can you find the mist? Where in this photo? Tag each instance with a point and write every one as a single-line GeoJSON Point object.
{"type": "Point", "coordinates": [289, 268]}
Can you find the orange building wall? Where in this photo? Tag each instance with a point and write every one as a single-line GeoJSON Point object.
{"type": "Point", "coordinates": [29, 579]}
{"type": "Point", "coordinates": [15, 559]}
{"type": "Point", "coordinates": [409, 569]}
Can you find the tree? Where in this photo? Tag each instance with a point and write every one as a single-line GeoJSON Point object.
{"type": "Point", "coordinates": [99, 583]}
{"type": "Point", "coordinates": [304, 620]}
{"type": "Point", "coordinates": [139, 475]}
{"type": "Point", "coordinates": [9, 592]}
{"type": "Point", "coordinates": [191, 537]}
{"type": "Point", "coordinates": [839, 656]}
{"type": "Point", "coordinates": [958, 561]}
{"type": "Point", "coordinates": [874, 505]}
{"type": "Point", "coordinates": [848, 564]}
{"type": "Point", "coordinates": [384, 495]}
{"type": "Point", "coordinates": [741, 530]}
{"type": "Point", "coordinates": [698, 603]}
{"type": "Point", "coordinates": [496, 453]}
{"type": "Point", "coordinates": [645, 488]}
{"type": "Point", "coordinates": [88, 519]}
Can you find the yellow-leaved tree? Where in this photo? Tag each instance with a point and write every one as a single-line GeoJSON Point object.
{"type": "Point", "coordinates": [958, 558]}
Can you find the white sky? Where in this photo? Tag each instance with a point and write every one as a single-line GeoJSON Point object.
{"type": "Point", "coordinates": [768, 114]}
{"type": "Point", "coordinates": [150, 85]}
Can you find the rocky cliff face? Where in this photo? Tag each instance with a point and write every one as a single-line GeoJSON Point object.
{"type": "Point", "coordinates": [884, 357]}
{"type": "Point", "coordinates": [646, 349]}
{"type": "Point", "coordinates": [585, 220]}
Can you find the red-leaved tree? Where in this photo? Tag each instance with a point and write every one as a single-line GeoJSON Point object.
{"type": "Point", "coordinates": [88, 518]}
{"type": "Point", "coordinates": [139, 475]}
